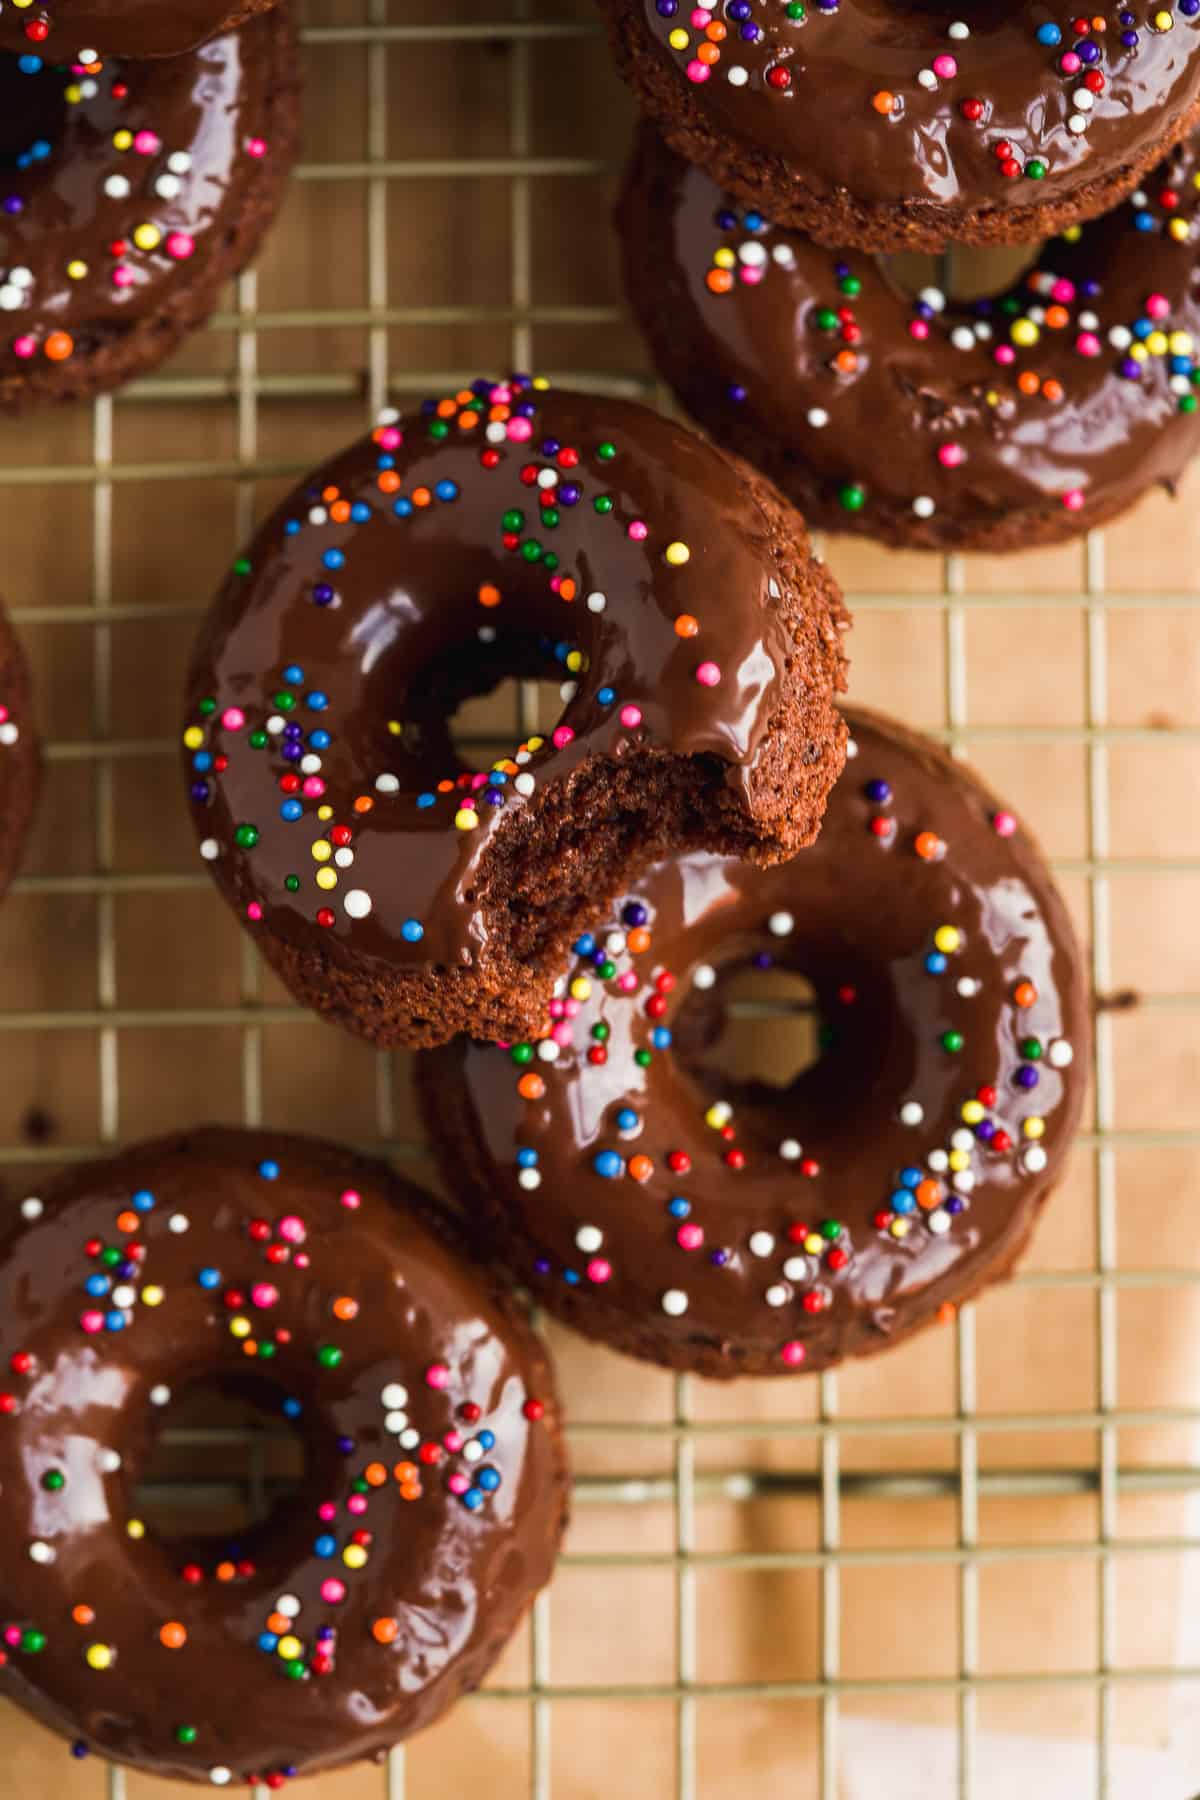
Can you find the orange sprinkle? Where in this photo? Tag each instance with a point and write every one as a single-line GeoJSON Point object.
{"type": "Point", "coordinates": [1028, 382]}
{"type": "Point", "coordinates": [375, 1474]}
{"type": "Point", "coordinates": [489, 594]}
{"type": "Point", "coordinates": [406, 1471]}
{"type": "Point", "coordinates": [249, 1347]}
{"type": "Point", "coordinates": [927, 845]}
{"type": "Point", "coordinates": [345, 1308]}
{"type": "Point", "coordinates": [928, 1194]}
{"type": "Point", "coordinates": [884, 101]}
{"type": "Point", "coordinates": [1025, 993]}
{"type": "Point", "coordinates": [464, 397]}
{"type": "Point", "coordinates": [445, 787]}
{"type": "Point", "coordinates": [384, 1631]}
{"type": "Point", "coordinates": [531, 1087]}
{"type": "Point", "coordinates": [83, 1615]}
{"type": "Point", "coordinates": [279, 1623]}
{"type": "Point", "coordinates": [172, 1635]}
{"type": "Point", "coordinates": [498, 414]}
{"type": "Point", "coordinates": [641, 1167]}
{"type": "Point", "coordinates": [567, 589]}
{"type": "Point", "coordinates": [1057, 317]}
{"type": "Point", "coordinates": [686, 626]}
{"type": "Point", "coordinates": [845, 362]}
{"type": "Point", "coordinates": [467, 421]}
{"type": "Point", "coordinates": [421, 496]}
{"type": "Point", "coordinates": [1052, 390]}
{"type": "Point", "coordinates": [717, 31]}
{"type": "Point", "coordinates": [59, 345]}
{"type": "Point", "coordinates": [708, 53]}
{"type": "Point", "coordinates": [638, 940]}
{"type": "Point", "coordinates": [719, 281]}
{"type": "Point", "coordinates": [947, 1312]}
{"type": "Point", "coordinates": [388, 481]}
{"type": "Point", "coordinates": [446, 409]}
{"type": "Point", "coordinates": [364, 803]}
{"type": "Point", "coordinates": [225, 1571]}
{"type": "Point", "coordinates": [330, 493]}
{"type": "Point", "coordinates": [410, 1490]}
{"type": "Point", "coordinates": [127, 1221]}
{"type": "Point", "coordinates": [339, 512]}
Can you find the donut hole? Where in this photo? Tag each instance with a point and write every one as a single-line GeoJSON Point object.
{"type": "Point", "coordinates": [962, 272]}
{"type": "Point", "coordinates": [33, 111]}
{"type": "Point", "coordinates": [763, 1023]}
{"type": "Point", "coordinates": [223, 1458]}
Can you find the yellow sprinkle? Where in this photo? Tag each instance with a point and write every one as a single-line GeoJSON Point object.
{"type": "Point", "coordinates": [147, 237]}
{"type": "Point", "coordinates": [76, 269]}
{"type": "Point", "coordinates": [1162, 21]}
{"type": "Point", "coordinates": [152, 1296]}
{"type": "Point", "coordinates": [972, 1112]}
{"type": "Point", "coordinates": [289, 1648]}
{"type": "Point", "coordinates": [1034, 1128]}
{"type": "Point", "coordinates": [1072, 234]}
{"type": "Point", "coordinates": [98, 1656]}
{"type": "Point", "coordinates": [580, 988]}
{"type": "Point", "coordinates": [899, 1228]}
{"type": "Point", "coordinates": [1139, 353]}
{"type": "Point", "coordinates": [724, 259]}
{"type": "Point", "coordinates": [1156, 343]}
{"type": "Point", "coordinates": [1180, 230]}
{"type": "Point", "coordinates": [324, 812]}
{"type": "Point", "coordinates": [1024, 332]}
{"type": "Point", "coordinates": [135, 1529]}
{"type": "Point", "coordinates": [122, 139]}
{"type": "Point", "coordinates": [1180, 342]}
{"type": "Point", "coordinates": [959, 1160]}
{"type": "Point", "coordinates": [466, 819]}
{"type": "Point", "coordinates": [327, 878]}
{"type": "Point", "coordinates": [73, 94]}
{"type": "Point", "coordinates": [575, 661]}
{"type": "Point", "coordinates": [992, 397]}
{"type": "Point", "coordinates": [678, 39]}
{"type": "Point", "coordinates": [947, 938]}
{"type": "Point", "coordinates": [718, 1115]}
{"type": "Point", "coordinates": [541, 383]}
{"type": "Point", "coordinates": [535, 743]}
{"type": "Point", "coordinates": [193, 737]}
{"type": "Point", "coordinates": [677, 554]}
{"type": "Point", "coordinates": [354, 1556]}
{"type": "Point", "coordinates": [239, 1327]}
{"type": "Point", "coordinates": [814, 1244]}
{"type": "Point", "coordinates": [395, 727]}
{"type": "Point", "coordinates": [322, 850]}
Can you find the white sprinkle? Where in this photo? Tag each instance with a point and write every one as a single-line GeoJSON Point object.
{"type": "Point", "coordinates": [933, 298]}
{"type": "Point", "coordinates": [220, 1776]}
{"type": "Point", "coordinates": [547, 478]}
{"type": "Point", "coordinates": [1084, 99]}
{"type": "Point", "coordinates": [912, 1112]}
{"type": "Point", "coordinates": [1089, 321]}
{"type": "Point", "coordinates": [160, 1395]}
{"type": "Point", "coordinates": [110, 1462]}
{"type": "Point", "coordinates": [924, 506]}
{"type": "Point", "coordinates": [963, 1181]}
{"type": "Point", "coordinates": [548, 1050]}
{"type": "Point", "coordinates": [851, 749]}
{"type": "Point", "coordinates": [1033, 1159]}
{"type": "Point", "coordinates": [761, 1243]}
{"type": "Point", "coordinates": [1037, 314]}
{"type": "Point", "coordinates": [523, 756]}
{"type": "Point", "coordinates": [529, 1179]}
{"type": "Point", "coordinates": [589, 1238]}
{"type": "Point", "coordinates": [21, 277]}
{"type": "Point", "coordinates": [10, 297]}
{"type": "Point", "coordinates": [1140, 198]}
{"type": "Point", "coordinates": [357, 903]}
{"type": "Point", "coordinates": [1120, 337]}
{"type": "Point", "coordinates": [796, 1268]}
{"type": "Point", "coordinates": [40, 1553]}
{"type": "Point", "coordinates": [410, 1439]}
{"type": "Point", "coordinates": [597, 602]}
{"type": "Point", "coordinates": [938, 1221]}
{"type": "Point", "coordinates": [674, 1302]}
{"type": "Point", "coordinates": [738, 75]}
{"type": "Point", "coordinates": [777, 1295]}
{"type": "Point", "coordinates": [789, 1149]}
{"type": "Point", "coordinates": [394, 1394]}
{"type": "Point", "coordinates": [614, 943]}
{"type": "Point", "coordinates": [124, 1295]}
{"type": "Point", "coordinates": [927, 78]}
{"type": "Point", "coordinates": [210, 849]}
{"type": "Point", "coordinates": [963, 338]}
{"type": "Point", "coordinates": [754, 255]}
{"type": "Point", "coordinates": [496, 433]}
{"type": "Point", "coordinates": [1060, 1054]}
{"type": "Point", "coordinates": [818, 418]}
{"type": "Point", "coordinates": [288, 1605]}
{"type": "Point", "coordinates": [179, 162]}
{"type": "Point", "coordinates": [178, 1223]}
{"type": "Point", "coordinates": [938, 1161]}
{"type": "Point", "coordinates": [472, 1451]}
{"type": "Point", "coordinates": [524, 784]}
{"type": "Point", "coordinates": [781, 924]}
{"type": "Point", "coordinates": [31, 1208]}
{"type": "Point", "coordinates": [958, 30]}
{"type": "Point", "coordinates": [962, 1139]}
{"type": "Point", "coordinates": [968, 986]}
{"type": "Point", "coordinates": [1077, 123]}
{"type": "Point", "coordinates": [704, 977]}
{"type": "Point", "coordinates": [310, 764]}
{"type": "Point", "coordinates": [275, 724]}
{"type": "Point", "coordinates": [784, 255]}
{"type": "Point", "coordinates": [387, 784]}
{"type": "Point", "coordinates": [1180, 384]}
{"type": "Point", "coordinates": [486, 634]}
{"type": "Point", "coordinates": [983, 331]}
{"type": "Point", "coordinates": [317, 515]}
{"type": "Point", "coordinates": [568, 690]}
{"type": "Point", "coordinates": [774, 589]}
{"type": "Point", "coordinates": [168, 187]}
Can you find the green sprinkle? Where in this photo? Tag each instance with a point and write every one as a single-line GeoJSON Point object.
{"type": "Point", "coordinates": [295, 1669]}
{"type": "Point", "coordinates": [246, 836]}
{"type": "Point", "coordinates": [54, 1481]}
{"type": "Point", "coordinates": [439, 429]}
{"type": "Point", "coordinates": [830, 1229]}
{"type": "Point", "coordinates": [1187, 403]}
{"type": "Point", "coordinates": [606, 452]}
{"type": "Point", "coordinates": [258, 740]}
{"type": "Point", "coordinates": [550, 518]}
{"type": "Point", "coordinates": [522, 1054]}
{"type": "Point", "coordinates": [853, 496]}
{"type": "Point", "coordinates": [827, 319]}
{"type": "Point", "coordinates": [206, 707]}
{"type": "Point", "coordinates": [185, 1734]}
{"type": "Point", "coordinates": [531, 550]}
{"type": "Point", "coordinates": [111, 1257]}
{"type": "Point", "coordinates": [643, 1058]}
{"type": "Point", "coordinates": [292, 883]}
{"type": "Point", "coordinates": [550, 561]}
{"type": "Point", "coordinates": [266, 1350]}
{"type": "Point", "coordinates": [603, 503]}
{"type": "Point", "coordinates": [329, 1356]}
{"type": "Point", "coordinates": [1035, 168]}
{"type": "Point", "coordinates": [242, 566]}
{"type": "Point", "coordinates": [284, 701]}
{"type": "Point", "coordinates": [952, 1041]}
{"type": "Point", "coordinates": [513, 521]}
{"type": "Point", "coordinates": [850, 284]}
{"type": "Point", "coordinates": [795, 9]}
{"type": "Point", "coordinates": [607, 970]}
{"type": "Point", "coordinates": [33, 1640]}
{"type": "Point", "coordinates": [600, 1033]}
{"type": "Point", "coordinates": [1030, 1048]}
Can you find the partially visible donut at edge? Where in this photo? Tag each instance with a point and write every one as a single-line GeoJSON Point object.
{"type": "Point", "coordinates": [506, 530]}
{"type": "Point", "coordinates": [84, 30]}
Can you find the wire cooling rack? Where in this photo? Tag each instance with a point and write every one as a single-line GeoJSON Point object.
{"type": "Point", "coordinates": [1014, 1472]}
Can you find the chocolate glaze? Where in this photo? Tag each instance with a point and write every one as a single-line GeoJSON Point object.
{"type": "Point", "coordinates": [95, 238]}
{"type": "Point", "coordinates": [403, 575]}
{"type": "Point", "coordinates": [808, 363]}
{"type": "Point", "coordinates": [60, 29]}
{"type": "Point", "coordinates": [453, 1569]}
{"type": "Point", "coordinates": [824, 122]}
{"type": "Point", "coordinates": [822, 1245]}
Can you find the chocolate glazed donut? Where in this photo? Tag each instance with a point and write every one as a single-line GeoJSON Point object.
{"type": "Point", "coordinates": [1024, 419]}
{"type": "Point", "coordinates": [434, 1490]}
{"type": "Point", "coordinates": [712, 1223]}
{"type": "Point", "coordinates": [133, 192]}
{"type": "Point", "coordinates": [899, 126]}
{"type": "Point", "coordinates": [80, 30]}
{"type": "Point", "coordinates": [504, 530]}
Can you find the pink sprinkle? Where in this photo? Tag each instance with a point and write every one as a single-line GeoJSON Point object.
{"type": "Point", "coordinates": [92, 1321]}
{"type": "Point", "coordinates": [352, 1199]}
{"type": "Point", "coordinates": [697, 72]}
{"type": "Point", "coordinates": [750, 274]}
{"type": "Point", "coordinates": [233, 718]}
{"type": "Point", "coordinates": [291, 1229]}
{"type": "Point", "coordinates": [1073, 499]}
{"type": "Point", "coordinates": [689, 1237]}
{"type": "Point", "coordinates": [561, 1033]}
{"type": "Point", "coordinates": [458, 1484]}
{"type": "Point", "coordinates": [357, 1503]}
{"type": "Point", "coordinates": [453, 1442]}
{"type": "Point", "coordinates": [437, 1375]}
{"type": "Point", "coordinates": [3, 714]}
{"type": "Point", "coordinates": [478, 781]}
{"type": "Point", "coordinates": [598, 1270]}
{"type": "Point", "coordinates": [638, 530]}
{"type": "Point", "coordinates": [12, 1634]}
{"type": "Point", "coordinates": [520, 430]}
{"type": "Point", "coordinates": [631, 716]}
{"type": "Point", "coordinates": [313, 786]}
{"type": "Point", "coordinates": [1087, 344]}
{"type": "Point", "coordinates": [708, 674]}
{"type": "Point", "coordinates": [1004, 824]}
{"type": "Point", "coordinates": [389, 437]}
{"type": "Point", "coordinates": [122, 276]}
{"type": "Point", "coordinates": [24, 346]}
{"type": "Point", "coordinates": [327, 1510]}
{"type": "Point", "coordinates": [1063, 291]}
{"type": "Point", "coordinates": [467, 804]}
{"type": "Point", "coordinates": [701, 16]}
{"type": "Point", "coordinates": [254, 912]}
{"type": "Point", "coordinates": [793, 1353]}
{"type": "Point", "coordinates": [256, 146]}
{"type": "Point", "coordinates": [333, 1590]}
{"type": "Point", "coordinates": [1004, 353]}
{"type": "Point", "coordinates": [562, 736]}
{"type": "Point", "coordinates": [263, 1294]}
{"type": "Point", "coordinates": [919, 329]}
{"type": "Point", "coordinates": [951, 456]}
{"type": "Point", "coordinates": [301, 1259]}
{"type": "Point", "coordinates": [557, 1009]}
{"type": "Point", "coordinates": [627, 982]}
{"type": "Point", "coordinates": [147, 143]}
{"type": "Point", "coordinates": [1069, 63]}
{"type": "Point", "coordinates": [1158, 306]}
{"type": "Point", "coordinates": [570, 1008]}
{"type": "Point", "coordinates": [501, 394]}
{"type": "Point", "coordinates": [945, 67]}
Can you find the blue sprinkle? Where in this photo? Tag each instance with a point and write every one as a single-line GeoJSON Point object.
{"type": "Point", "coordinates": [903, 1202]}
{"type": "Point", "coordinates": [385, 461]}
{"type": "Point", "coordinates": [527, 1159]}
{"type": "Point", "coordinates": [143, 1201]}
{"type": "Point", "coordinates": [291, 810]}
{"type": "Point", "coordinates": [660, 1037]}
{"type": "Point", "coordinates": [412, 931]}
{"type": "Point", "coordinates": [402, 507]}
{"type": "Point", "coordinates": [583, 946]}
{"type": "Point", "coordinates": [360, 512]}
{"type": "Point", "coordinates": [316, 701]}
{"type": "Point", "coordinates": [209, 1278]}
{"type": "Point", "coordinates": [446, 490]}
{"type": "Point", "coordinates": [202, 761]}
{"type": "Point", "coordinates": [334, 559]}
{"type": "Point", "coordinates": [606, 696]}
{"type": "Point", "coordinates": [473, 1499]}
{"type": "Point", "coordinates": [1143, 221]}
{"type": "Point", "coordinates": [488, 1480]}
{"type": "Point", "coordinates": [293, 674]}
{"type": "Point", "coordinates": [96, 1285]}
{"type": "Point", "coordinates": [910, 1177]}
{"type": "Point", "coordinates": [1049, 34]}
{"type": "Point", "coordinates": [324, 1545]}
{"type": "Point", "coordinates": [114, 1321]}
{"type": "Point", "coordinates": [935, 963]}
{"type": "Point", "coordinates": [319, 740]}
{"type": "Point", "coordinates": [627, 1119]}
{"type": "Point", "coordinates": [487, 1439]}
{"type": "Point", "coordinates": [608, 1164]}
{"type": "Point", "coordinates": [425, 800]}
{"type": "Point", "coordinates": [679, 1208]}
{"type": "Point", "coordinates": [292, 1409]}
{"type": "Point", "coordinates": [269, 1170]}
{"type": "Point", "coordinates": [570, 1277]}
{"type": "Point", "coordinates": [291, 528]}
{"type": "Point", "coordinates": [267, 1640]}
{"type": "Point", "coordinates": [29, 65]}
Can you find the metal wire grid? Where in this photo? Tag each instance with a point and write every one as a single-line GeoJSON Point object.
{"type": "Point", "coordinates": [244, 388]}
